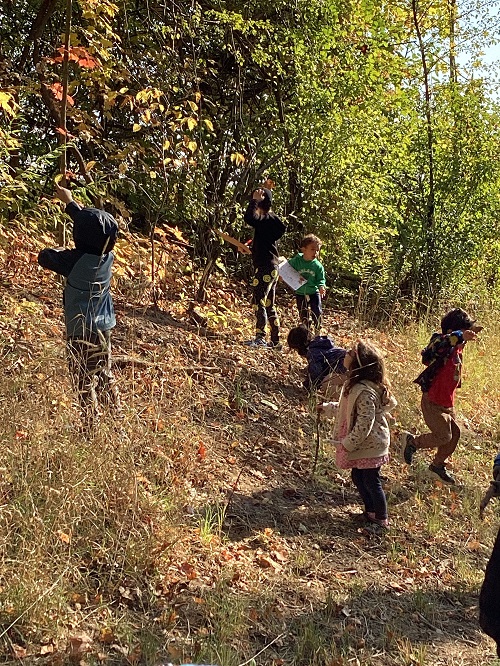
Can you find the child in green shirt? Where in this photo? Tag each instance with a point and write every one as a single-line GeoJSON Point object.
{"type": "Point", "coordinates": [309, 295]}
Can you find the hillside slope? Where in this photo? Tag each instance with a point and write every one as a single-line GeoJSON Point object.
{"type": "Point", "coordinates": [194, 529]}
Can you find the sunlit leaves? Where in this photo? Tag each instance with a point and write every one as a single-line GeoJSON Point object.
{"type": "Point", "coordinates": [57, 91]}
{"type": "Point", "coordinates": [77, 54]}
{"type": "Point", "coordinates": [7, 103]}
{"type": "Point", "coordinates": [237, 158]}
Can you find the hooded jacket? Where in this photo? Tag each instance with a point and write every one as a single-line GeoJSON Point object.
{"type": "Point", "coordinates": [88, 305]}
{"type": "Point", "coordinates": [323, 357]}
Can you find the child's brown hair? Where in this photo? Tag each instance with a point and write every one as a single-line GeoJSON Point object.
{"type": "Point", "coordinates": [367, 363]}
{"type": "Point", "coordinates": [308, 240]}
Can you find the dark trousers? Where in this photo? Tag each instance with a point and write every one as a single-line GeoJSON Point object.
{"type": "Point", "coordinates": [89, 363]}
{"type": "Point", "coordinates": [310, 310]}
{"type": "Point", "coordinates": [264, 293]}
{"type": "Point", "coordinates": [369, 486]}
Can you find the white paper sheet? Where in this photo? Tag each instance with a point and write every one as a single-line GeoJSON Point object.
{"type": "Point", "coordinates": [290, 275]}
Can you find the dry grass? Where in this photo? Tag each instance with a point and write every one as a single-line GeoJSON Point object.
{"type": "Point", "coordinates": [193, 531]}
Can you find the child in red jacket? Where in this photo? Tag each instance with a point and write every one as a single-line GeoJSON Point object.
{"type": "Point", "coordinates": [440, 379]}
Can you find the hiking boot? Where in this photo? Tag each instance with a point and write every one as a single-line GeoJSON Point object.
{"type": "Point", "coordinates": [440, 471]}
{"type": "Point", "coordinates": [256, 342]}
{"type": "Point", "coordinates": [275, 345]}
{"type": "Point", "coordinates": [408, 446]}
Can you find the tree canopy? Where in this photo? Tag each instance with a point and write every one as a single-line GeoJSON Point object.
{"type": "Point", "coordinates": [376, 121]}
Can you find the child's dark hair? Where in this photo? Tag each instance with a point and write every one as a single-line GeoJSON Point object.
{"type": "Point", "coordinates": [308, 240]}
{"type": "Point", "coordinates": [299, 339]}
{"type": "Point", "coordinates": [456, 320]}
{"type": "Point", "coordinates": [367, 363]}
{"type": "Point", "coordinates": [267, 201]}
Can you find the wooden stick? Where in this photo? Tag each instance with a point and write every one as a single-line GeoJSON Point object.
{"type": "Point", "coordinates": [234, 241]}
{"type": "Point", "coordinates": [316, 453]}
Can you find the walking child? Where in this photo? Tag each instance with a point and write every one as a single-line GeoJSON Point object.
{"type": "Point", "coordinates": [361, 430]}
{"type": "Point", "coordinates": [88, 305]}
{"type": "Point", "coordinates": [439, 381]}
{"type": "Point", "coordinates": [268, 230]}
{"type": "Point", "coordinates": [325, 361]}
{"type": "Point", "coordinates": [309, 295]}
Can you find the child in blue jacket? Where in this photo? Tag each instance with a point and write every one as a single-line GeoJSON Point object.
{"type": "Point", "coordinates": [325, 361]}
{"type": "Point", "coordinates": [88, 304]}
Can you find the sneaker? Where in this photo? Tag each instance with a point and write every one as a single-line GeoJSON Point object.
{"type": "Point", "coordinates": [256, 342]}
{"type": "Point", "coordinates": [440, 471]}
{"type": "Point", "coordinates": [408, 446]}
{"type": "Point", "coordinates": [275, 345]}
{"type": "Point", "coordinates": [375, 529]}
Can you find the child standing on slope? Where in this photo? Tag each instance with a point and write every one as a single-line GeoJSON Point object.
{"type": "Point", "coordinates": [309, 295]}
{"type": "Point", "coordinates": [361, 430]}
{"type": "Point", "coordinates": [268, 230]}
{"type": "Point", "coordinates": [440, 379]}
{"type": "Point", "coordinates": [88, 304]}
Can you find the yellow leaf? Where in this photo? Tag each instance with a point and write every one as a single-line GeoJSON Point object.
{"type": "Point", "coordinates": [123, 91]}
{"type": "Point", "coordinates": [192, 146]}
{"type": "Point", "coordinates": [122, 168]}
{"type": "Point", "coordinates": [166, 144]}
{"type": "Point", "coordinates": [90, 165]}
{"type": "Point", "coordinates": [136, 127]}
{"type": "Point", "coordinates": [106, 635]}
{"type": "Point", "coordinates": [208, 123]}
{"type": "Point", "coordinates": [152, 174]}
{"type": "Point", "coordinates": [65, 538]}
{"type": "Point", "coordinates": [193, 105]}
{"type": "Point", "coordinates": [191, 123]}
{"type": "Point", "coordinates": [7, 103]}
{"type": "Point", "coordinates": [237, 158]}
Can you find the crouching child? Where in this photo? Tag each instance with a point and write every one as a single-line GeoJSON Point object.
{"type": "Point", "coordinates": [325, 362]}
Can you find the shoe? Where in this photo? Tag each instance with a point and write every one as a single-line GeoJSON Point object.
{"type": "Point", "coordinates": [440, 471]}
{"type": "Point", "coordinates": [275, 345]}
{"type": "Point", "coordinates": [408, 446]}
{"type": "Point", "coordinates": [256, 342]}
{"type": "Point", "coordinates": [377, 529]}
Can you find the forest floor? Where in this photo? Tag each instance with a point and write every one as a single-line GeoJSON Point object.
{"type": "Point", "coordinates": [195, 529]}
